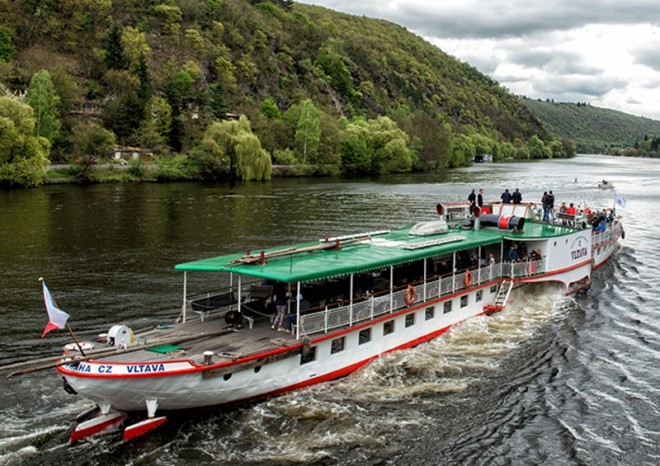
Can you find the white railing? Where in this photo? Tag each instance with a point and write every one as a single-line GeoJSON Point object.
{"type": "Point", "coordinates": [375, 306]}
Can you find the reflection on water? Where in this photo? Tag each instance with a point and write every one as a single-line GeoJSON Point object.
{"type": "Point", "coordinates": [549, 380]}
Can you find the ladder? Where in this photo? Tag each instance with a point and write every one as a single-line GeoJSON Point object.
{"type": "Point", "coordinates": [500, 300]}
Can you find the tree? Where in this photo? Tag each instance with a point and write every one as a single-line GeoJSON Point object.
{"type": "Point", "coordinates": [308, 131]}
{"type": "Point", "coordinates": [43, 99]}
{"type": "Point", "coordinates": [114, 56]}
{"type": "Point", "coordinates": [23, 156]}
{"type": "Point", "coordinates": [217, 104]}
{"type": "Point", "coordinates": [230, 149]}
{"type": "Point", "coordinates": [6, 47]}
{"type": "Point", "coordinates": [375, 147]}
{"type": "Point", "coordinates": [91, 142]}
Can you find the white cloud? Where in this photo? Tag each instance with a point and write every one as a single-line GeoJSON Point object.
{"type": "Point", "coordinates": [600, 51]}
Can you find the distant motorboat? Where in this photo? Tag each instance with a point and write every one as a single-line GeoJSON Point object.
{"type": "Point", "coordinates": [606, 184]}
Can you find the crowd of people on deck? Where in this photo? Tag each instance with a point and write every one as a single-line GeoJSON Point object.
{"type": "Point", "coordinates": [597, 220]}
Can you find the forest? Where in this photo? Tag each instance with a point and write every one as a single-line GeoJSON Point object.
{"type": "Point", "coordinates": [228, 89]}
{"type": "Point", "coordinates": [596, 130]}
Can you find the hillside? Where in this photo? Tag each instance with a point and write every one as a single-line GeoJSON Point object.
{"type": "Point", "coordinates": [315, 86]}
{"type": "Point", "coordinates": [594, 129]}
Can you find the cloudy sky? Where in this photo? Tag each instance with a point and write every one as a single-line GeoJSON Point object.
{"type": "Point", "coordinates": [604, 52]}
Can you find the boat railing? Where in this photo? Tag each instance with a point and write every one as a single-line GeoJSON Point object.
{"type": "Point", "coordinates": [611, 233]}
{"type": "Point", "coordinates": [376, 306]}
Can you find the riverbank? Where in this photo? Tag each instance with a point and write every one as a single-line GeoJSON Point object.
{"type": "Point", "coordinates": [134, 172]}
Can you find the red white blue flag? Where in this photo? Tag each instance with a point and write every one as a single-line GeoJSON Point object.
{"type": "Point", "coordinates": [56, 318]}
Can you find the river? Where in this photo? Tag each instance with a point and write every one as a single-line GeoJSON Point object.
{"type": "Point", "coordinates": [566, 381]}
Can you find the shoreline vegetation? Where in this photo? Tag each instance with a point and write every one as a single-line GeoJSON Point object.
{"type": "Point", "coordinates": [223, 90]}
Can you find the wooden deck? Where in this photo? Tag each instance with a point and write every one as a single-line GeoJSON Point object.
{"type": "Point", "coordinates": [213, 334]}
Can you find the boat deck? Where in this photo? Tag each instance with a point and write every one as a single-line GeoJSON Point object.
{"type": "Point", "coordinates": [191, 339]}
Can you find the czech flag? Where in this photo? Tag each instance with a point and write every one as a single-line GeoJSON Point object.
{"type": "Point", "coordinates": [56, 318]}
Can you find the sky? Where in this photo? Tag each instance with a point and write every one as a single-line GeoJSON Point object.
{"type": "Point", "coordinates": [603, 52]}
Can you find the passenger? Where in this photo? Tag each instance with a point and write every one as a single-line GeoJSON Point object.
{"type": "Point", "coordinates": [280, 304]}
{"type": "Point", "coordinates": [506, 197]}
{"type": "Point", "coordinates": [562, 208]}
{"type": "Point", "coordinates": [571, 209]}
{"type": "Point", "coordinates": [491, 259]}
{"type": "Point", "coordinates": [550, 204]}
{"type": "Point", "coordinates": [472, 198]}
{"type": "Point", "coordinates": [480, 198]}
{"type": "Point", "coordinates": [513, 254]}
{"type": "Point", "coordinates": [516, 196]}
{"type": "Point", "coordinates": [601, 226]}
{"type": "Point", "coordinates": [545, 207]}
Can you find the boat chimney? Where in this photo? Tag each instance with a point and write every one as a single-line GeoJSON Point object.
{"type": "Point", "coordinates": [476, 213]}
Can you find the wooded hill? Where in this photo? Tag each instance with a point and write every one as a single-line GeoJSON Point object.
{"type": "Point", "coordinates": [596, 130]}
{"type": "Point", "coordinates": [316, 89]}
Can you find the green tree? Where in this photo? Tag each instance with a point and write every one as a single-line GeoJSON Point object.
{"type": "Point", "coordinates": [375, 147]}
{"type": "Point", "coordinates": [91, 143]}
{"type": "Point", "coordinates": [23, 156]}
{"type": "Point", "coordinates": [43, 99]}
{"type": "Point", "coordinates": [308, 132]}
{"type": "Point", "coordinates": [269, 109]}
{"type": "Point", "coordinates": [217, 103]}
{"type": "Point", "coordinates": [114, 56]}
{"type": "Point", "coordinates": [6, 47]}
{"type": "Point", "coordinates": [230, 149]}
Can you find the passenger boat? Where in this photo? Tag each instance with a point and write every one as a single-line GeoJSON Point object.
{"type": "Point", "coordinates": [348, 300]}
{"type": "Point", "coordinates": [606, 185]}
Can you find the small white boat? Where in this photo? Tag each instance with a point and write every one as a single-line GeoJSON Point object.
{"type": "Point", "coordinates": [606, 185]}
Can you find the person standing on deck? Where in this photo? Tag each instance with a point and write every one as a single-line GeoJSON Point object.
{"type": "Point", "coordinates": [550, 202]}
{"type": "Point", "coordinates": [544, 203]}
{"type": "Point", "coordinates": [472, 198]}
{"type": "Point", "coordinates": [506, 197]}
{"type": "Point", "coordinates": [516, 196]}
{"type": "Point", "coordinates": [280, 303]}
{"type": "Point", "coordinates": [480, 198]}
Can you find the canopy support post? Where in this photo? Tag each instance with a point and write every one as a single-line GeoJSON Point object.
{"type": "Point", "coordinates": [184, 306]}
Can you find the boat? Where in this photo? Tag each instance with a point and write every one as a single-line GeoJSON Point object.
{"type": "Point", "coordinates": [349, 299]}
{"type": "Point", "coordinates": [606, 185]}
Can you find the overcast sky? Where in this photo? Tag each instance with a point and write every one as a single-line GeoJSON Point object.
{"type": "Point", "coordinates": [604, 52]}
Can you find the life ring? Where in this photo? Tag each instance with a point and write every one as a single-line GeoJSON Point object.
{"type": "Point", "coordinates": [410, 295]}
{"type": "Point", "coordinates": [467, 279]}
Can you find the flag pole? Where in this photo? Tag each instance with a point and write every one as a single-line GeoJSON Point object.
{"type": "Point", "coordinates": [75, 339]}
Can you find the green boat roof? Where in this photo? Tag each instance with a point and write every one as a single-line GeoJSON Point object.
{"type": "Point", "coordinates": [303, 262]}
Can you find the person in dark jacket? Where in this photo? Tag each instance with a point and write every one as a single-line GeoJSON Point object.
{"type": "Point", "coordinates": [506, 197]}
{"type": "Point", "coordinates": [516, 197]}
{"type": "Point", "coordinates": [472, 198]}
{"type": "Point", "coordinates": [480, 198]}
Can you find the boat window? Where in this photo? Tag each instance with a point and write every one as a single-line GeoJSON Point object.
{"type": "Point", "coordinates": [257, 369]}
{"type": "Point", "coordinates": [364, 336]}
{"type": "Point", "coordinates": [447, 308]}
{"type": "Point", "coordinates": [430, 313]}
{"type": "Point", "coordinates": [464, 300]}
{"type": "Point", "coordinates": [388, 327]}
{"type": "Point", "coordinates": [227, 376]}
{"type": "Point", "coordinates": [410, 319]}
{"type": "Point", "coordinates": [337, 345]}
{"type": "Point", "coordinates": [493, 289]}
{"type": "Point", "coordinates": [480, 295]}
{"type": "Point", "coordinates": [309, 356]}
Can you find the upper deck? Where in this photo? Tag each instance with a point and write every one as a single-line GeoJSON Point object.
{"type": "Point", "coordinates": [351, 254]}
